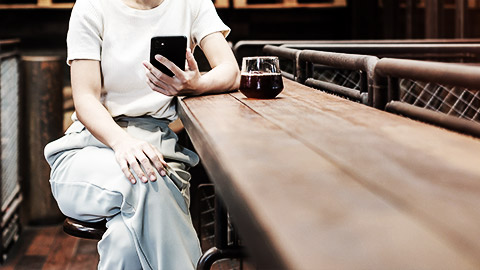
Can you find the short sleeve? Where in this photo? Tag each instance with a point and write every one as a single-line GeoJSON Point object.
{"type": "Point", "coordinates": [84, 37]}
{"type": "Point", "coordinates": [207, 22]}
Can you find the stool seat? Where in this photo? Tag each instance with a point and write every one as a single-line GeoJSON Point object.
{"type": "Point", "coordinates": [89, 230]}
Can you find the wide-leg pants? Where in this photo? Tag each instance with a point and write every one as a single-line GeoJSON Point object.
{"type": "Point", "coordinates": [148, 224]}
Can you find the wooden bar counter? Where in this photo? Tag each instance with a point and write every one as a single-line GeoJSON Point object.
{"type": "Point", "coordinates": [314, 181]}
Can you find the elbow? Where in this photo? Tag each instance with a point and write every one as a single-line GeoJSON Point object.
{"type": "Point", "coordinates": [236, 78]}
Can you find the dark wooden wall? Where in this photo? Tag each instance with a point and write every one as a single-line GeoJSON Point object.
{"type": "Point", "coordinates": [39, 29]}
{"type": "Point", "coordinates": [298, 23]}
{"type": "Point", "coordinates": [43, 31]}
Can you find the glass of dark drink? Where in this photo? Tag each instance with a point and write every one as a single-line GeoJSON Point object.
{"type": "Point", "coordinates": [261, 77]}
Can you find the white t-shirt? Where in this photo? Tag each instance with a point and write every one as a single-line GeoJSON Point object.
{"type": "Point", "coordinates": [119, 36]}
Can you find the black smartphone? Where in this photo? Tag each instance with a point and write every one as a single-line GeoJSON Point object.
{"type": "Point", "coordinates": [171, 47]}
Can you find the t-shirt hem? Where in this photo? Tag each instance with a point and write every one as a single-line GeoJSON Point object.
{"type": "Point", "coordinates": [225, 32]}
{"type": "Point", "coordinates": [83, 56]}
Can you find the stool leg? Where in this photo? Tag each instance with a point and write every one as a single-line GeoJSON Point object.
{"type": "Point", "coordinates": [221, 250]}
{"type": "Point", "coordinates": [221, 224]}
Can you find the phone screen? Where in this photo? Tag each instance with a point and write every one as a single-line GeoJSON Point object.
{"type": "Point", "coordinates": [171, 47]}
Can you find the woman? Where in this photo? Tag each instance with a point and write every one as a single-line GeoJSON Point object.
{"type": "Point", "coordinates": [119, 161]}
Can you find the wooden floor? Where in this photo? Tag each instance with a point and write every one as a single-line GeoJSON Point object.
{"type": "Point", "coordinates": [50, 248]}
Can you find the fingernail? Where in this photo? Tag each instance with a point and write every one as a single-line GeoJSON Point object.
{"type": "Point", "coordinates": [133, 180]}
{"type": "Point", "coordinates": [158, 57]}
{"type": "Point", "coordinates": [152, 177]}
{"type": "Point", "coordinates": [163, 173]}
{"type": "Point", "coordinates": [144, 179]}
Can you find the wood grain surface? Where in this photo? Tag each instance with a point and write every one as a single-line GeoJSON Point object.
{"type": "Point", "coordinates": [314, 181]}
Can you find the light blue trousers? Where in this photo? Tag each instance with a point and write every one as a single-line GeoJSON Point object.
{"type": "Point", "coordinates": [148, 224]}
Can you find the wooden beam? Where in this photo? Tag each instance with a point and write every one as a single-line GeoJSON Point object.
{"type": "Point", "coordinates": [44, 2]}
{"type": "Point", "coordinates": [461, 17]}
{"type": "Point", "coordinates": [434, 18]}
{"type": "Point", "coordinates": [409, 19]}
{"type": "Point", "coordinates": [390, 19]}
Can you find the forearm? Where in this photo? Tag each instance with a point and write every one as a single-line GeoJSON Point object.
{"type": "Point", "coordinates": [225, 75]}
{"type": "Point", "coordinates": [223, 78]}
{"type": "Point", "coordinates": [98, 120]}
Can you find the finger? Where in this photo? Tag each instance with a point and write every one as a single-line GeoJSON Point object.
{"type": "Point", "coordinates": [162, 171]}
{"type": "Point", "coordinates": [126, 171]}
{"type": "Point", "coordinates": [159, 76]}
{"type": "Point", "coordinates": [192, 63]}
{"type": "Point", "coordinates": [169, 64]}
{"type": "Point", "coordinates": [155, 159]}
{"type": "Point", "coordinates": [163, 90]}
{"type": "Point", "coordinates": [155, 80]}
{"type": "Point", "coordinates": [133, 163]}
{"type": "Point", "coordinates": [147, 166]}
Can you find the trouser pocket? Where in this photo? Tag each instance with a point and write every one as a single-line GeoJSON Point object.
{"type": "Point", "coordinates": [177, 172]}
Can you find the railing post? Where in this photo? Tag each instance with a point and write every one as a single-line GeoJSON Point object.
{"type": "Point", "coordinates": [379, 97]}
{"type": "Point", "coordinates": [393, 92]}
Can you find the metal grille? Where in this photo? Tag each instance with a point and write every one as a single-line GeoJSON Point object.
{"type": "Point", "coordinates": [345, 78]}
{"type": "Point", "coordinates": [207, 216]}
{"type": "Point", "coordinates": [454, 101]}
{"type": "Point", "coordinates": [9, 89]}
{"type": "Point", "coordinates": [207, 227]}
{"type": "Point", "coordinates": [287, 65]}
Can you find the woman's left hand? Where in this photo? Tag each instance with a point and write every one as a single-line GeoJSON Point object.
{"type": "Point", "coordinates": [183, 83]}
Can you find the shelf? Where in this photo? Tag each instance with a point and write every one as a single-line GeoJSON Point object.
{"type": "Point", "coordinates": [240, 4]}
{"type": "Point", "coordinates": [48, 4]}
{"type": "Point", "coordinates": [221, 3]}
{"type": "Point", "coordinates": [39, 5]}
{"type": "Point", "coordinates": [449, 4]}
{"type": "Point", "coordinates": [261, 4]}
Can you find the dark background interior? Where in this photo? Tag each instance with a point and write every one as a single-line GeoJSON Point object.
{"type": "Point", "coordinates": [43, 31]}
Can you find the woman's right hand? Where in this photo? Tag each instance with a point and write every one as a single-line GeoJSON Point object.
{"type": "Point", "coordinates": [133, 154]}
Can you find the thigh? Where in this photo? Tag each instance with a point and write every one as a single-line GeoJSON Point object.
{"type": "Point", "coordinates": [95, 165]}
{"type": "Point", "coordinates": [88, 183]}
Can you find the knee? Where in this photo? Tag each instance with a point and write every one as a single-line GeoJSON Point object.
{"type": "Point", "coordinates": [86, 202]}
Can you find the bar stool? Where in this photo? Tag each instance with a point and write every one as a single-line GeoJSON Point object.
{"type": "Point", "coordinates": [95, 230]}
{"type": "Point", "coordinates": [221, 250]}
{"type": "Point", "coordinates": [88, 230]}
